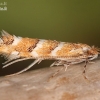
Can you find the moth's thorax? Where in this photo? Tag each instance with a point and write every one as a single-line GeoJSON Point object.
{"type": "Point", "coordinates": [17, 47]}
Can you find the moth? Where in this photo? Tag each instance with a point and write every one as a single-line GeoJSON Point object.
{"type": "Point", "coordinates": [16, 49]}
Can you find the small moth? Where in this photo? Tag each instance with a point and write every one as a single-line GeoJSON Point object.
{"type": "Point", "coordinates": [16, 49]}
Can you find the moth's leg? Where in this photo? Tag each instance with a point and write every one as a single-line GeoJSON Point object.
{"type": "Point", "coordinates": [64, 64]}
{"type": "Point", "coordinates": [36, 61]}
{"type": "Point", "coordinates": [17, 60]}
{"type": "Point", "coordinates": [85, 68]}
{"type": "Point", "coordinates": [40, 61]}
{"type": "Point", "coordinates": [54, 63]}
{"type": "Point", "coordinates": [6, 61]}
{"type": "Point", "coordinates": [91, 62]}
{"type": "Point", "coordinates": [56, 72]}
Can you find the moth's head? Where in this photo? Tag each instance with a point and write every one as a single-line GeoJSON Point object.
{"type": "Point", "coordinates": [92, 52]}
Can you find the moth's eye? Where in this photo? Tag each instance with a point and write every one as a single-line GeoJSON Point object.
{"type": "Point", "coordinates": [85, 49]}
